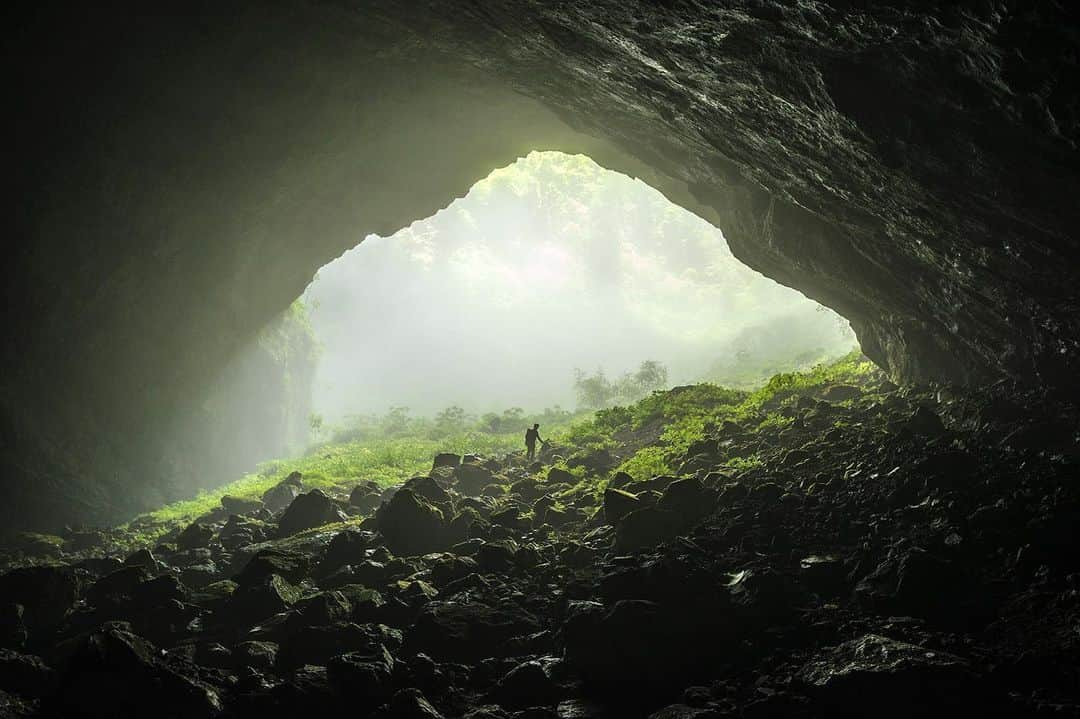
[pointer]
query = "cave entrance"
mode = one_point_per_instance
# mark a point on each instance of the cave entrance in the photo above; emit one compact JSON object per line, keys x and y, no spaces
{"x":548,"y":272}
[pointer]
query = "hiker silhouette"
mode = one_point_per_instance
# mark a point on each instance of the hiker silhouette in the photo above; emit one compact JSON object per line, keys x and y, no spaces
{"x":531,"y":436}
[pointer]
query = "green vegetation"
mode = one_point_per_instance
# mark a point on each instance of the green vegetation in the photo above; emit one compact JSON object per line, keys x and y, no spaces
{"x":387,"y":450}
{"x":653,"y":436}
{"x":684,"y":416}
{"x":596,"y":391}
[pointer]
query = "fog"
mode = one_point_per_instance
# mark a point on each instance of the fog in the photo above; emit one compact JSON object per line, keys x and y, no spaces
{"x":545,"y":266}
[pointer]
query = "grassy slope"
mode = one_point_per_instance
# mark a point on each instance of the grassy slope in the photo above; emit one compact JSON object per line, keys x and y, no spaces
{"x":674,"y":421}
{"x":336,"y":467}
{"x":653,"y":434}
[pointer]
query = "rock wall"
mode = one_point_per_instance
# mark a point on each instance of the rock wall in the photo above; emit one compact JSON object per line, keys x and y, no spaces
{"x":181,"y":172}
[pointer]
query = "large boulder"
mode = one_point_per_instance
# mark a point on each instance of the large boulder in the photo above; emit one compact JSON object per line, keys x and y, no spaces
{"x":365,"y":497}
{"x":619,"y":503}
{"x":25,"y":675}
{"x":452,"y":631}
{"x":319,"y":644}
{"x":642,"y":643}
{"x":526,"y":685}
{"x":841,"y":393}
{"x":347,"y":547}
{"x":115,"y":673}
{"x":310,"y":510}
{"x":446,"y":459}
{"x":411,"y":525}
{"x":412,"y":704}
{"x":195,"y":536}
{"x":364,"y":677}
{"x":292,"y":565}
{"x":240,"y":505}
{"x":472,"y":478}
{"x":117,"y":586}
{"x":558,"y":475}
{"x":647,"y":527}
{"x":255,"y":654}
{"x":915,"y":583}
{"x":430,"y":490}
{"x":283,"y":493}
{"x":689,"y":498}
{"x":46,"y":593}
{"x":881,"y":677}
{"x":256,"y":600}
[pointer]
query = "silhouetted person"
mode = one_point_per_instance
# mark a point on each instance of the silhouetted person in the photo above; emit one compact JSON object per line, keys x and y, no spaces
{"x":531,"y":436}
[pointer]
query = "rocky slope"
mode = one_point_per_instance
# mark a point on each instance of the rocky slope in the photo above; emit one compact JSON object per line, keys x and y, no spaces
{"x":888,"y":553}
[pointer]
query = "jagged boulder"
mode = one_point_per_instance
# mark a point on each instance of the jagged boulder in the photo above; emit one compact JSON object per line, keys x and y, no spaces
{"x":291,"y":565}
{"x":319,"y":644}
{"x":526,"y":685}
{"x":877,"y":676}
{"x":364,"y":677}
{"x":412,"y":704}
{"x":446,"y":459}
{"x":261,"y":598}
{"x":25,"y":674}
{"x":240,"y":506}
{"x":689,"y":498}
{"x":255,"y":654}
{"x":46,"y":593}
{"x":647,"y":527}
{"x":497,"y":555}
{"x":618,"y":504}
{"x":116,"y":586}
{"x":115,"y":672}
{"x":472,"y":478}
{"x":427,"y":488}
{"x":240,"y":531}
{"x":453,"y":631}
{"x":924,"y":422}
{"x":841,"y":393}
{"x":365,"y":497}
{"x":411,"y":525}
{"x":310,"y":510}
{"x":639,"y":642}
{"x":915,"y":583}
{"x":194,"y":536}
{"x":284,"y":492}
{"x":347,"y":547}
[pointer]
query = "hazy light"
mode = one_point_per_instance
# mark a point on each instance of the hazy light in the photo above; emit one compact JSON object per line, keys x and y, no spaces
{"x":549,"y":264}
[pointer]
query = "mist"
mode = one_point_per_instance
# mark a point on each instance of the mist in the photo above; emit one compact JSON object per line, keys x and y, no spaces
{"x":546,"y":266}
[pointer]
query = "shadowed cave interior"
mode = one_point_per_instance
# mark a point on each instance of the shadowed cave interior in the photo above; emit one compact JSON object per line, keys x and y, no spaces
{"x":888,"y":534}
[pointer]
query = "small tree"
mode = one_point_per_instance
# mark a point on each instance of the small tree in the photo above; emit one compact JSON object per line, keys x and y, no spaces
{"x":450,"y":421}
{"x":651,"y":376}
{"x":315,"y":424}
{"x":396,"y":422}
{"x":594,"y":391}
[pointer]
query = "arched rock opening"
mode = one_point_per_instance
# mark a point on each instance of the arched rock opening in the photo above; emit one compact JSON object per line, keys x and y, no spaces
{"x":182,"y":173}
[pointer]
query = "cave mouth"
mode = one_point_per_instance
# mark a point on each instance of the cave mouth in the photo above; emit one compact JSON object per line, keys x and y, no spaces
{"x":545,"y":269}
{"x":855,"y":545}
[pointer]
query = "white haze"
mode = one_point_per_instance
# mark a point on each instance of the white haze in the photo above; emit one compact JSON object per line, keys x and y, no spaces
{"x":545,"y":266}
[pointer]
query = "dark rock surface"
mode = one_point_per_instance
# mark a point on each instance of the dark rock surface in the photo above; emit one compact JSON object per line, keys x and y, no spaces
{"x":886,"y":573}
{"x":912,"y":164}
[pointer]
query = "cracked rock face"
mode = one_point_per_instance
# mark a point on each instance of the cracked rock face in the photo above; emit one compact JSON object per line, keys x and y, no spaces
{"x":180,"y":178}
{"x":912,"y":165}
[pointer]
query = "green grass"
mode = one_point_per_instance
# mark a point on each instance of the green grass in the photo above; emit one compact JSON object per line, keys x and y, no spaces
{"x":681,"y":417}
{"x":336,"y":468}
{"x":688,"y":413}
